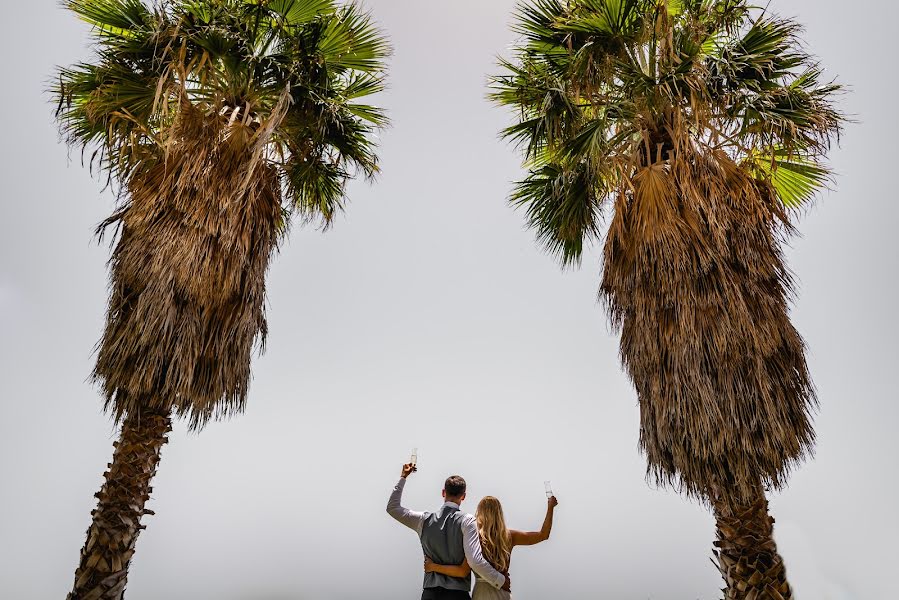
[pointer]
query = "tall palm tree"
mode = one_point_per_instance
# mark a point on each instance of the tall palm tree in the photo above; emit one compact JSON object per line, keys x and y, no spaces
{"x":218,"y":120}
{"x":701,"y":125}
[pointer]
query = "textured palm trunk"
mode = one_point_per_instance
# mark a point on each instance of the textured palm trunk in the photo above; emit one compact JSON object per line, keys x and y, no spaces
{"x":747,"y":555}
{"x":111,"y":538}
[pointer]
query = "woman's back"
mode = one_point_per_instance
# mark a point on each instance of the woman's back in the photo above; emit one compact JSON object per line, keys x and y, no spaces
{"x":497,"y":542}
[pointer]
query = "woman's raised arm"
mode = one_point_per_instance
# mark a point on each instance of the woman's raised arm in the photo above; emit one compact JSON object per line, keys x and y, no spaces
{"x":529,"y":538}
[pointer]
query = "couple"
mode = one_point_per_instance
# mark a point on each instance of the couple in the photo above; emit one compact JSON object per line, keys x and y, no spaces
{"x":455,"y":543}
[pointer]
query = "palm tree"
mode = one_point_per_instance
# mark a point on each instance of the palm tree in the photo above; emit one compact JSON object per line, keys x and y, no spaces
{"x":218,"y":120}
{"x":702,"y":125}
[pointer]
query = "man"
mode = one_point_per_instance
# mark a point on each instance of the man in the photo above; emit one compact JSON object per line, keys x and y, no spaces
{"x":448,"y":537}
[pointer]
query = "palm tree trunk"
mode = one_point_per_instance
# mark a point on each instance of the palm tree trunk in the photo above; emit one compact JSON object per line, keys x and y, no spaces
{"x":103,"y":571}
{"x":746,"y":552}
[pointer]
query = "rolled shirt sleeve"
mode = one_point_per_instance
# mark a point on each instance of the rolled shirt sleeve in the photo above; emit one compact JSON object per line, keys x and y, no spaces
{"x":472,"y":542}
{"x":410,"y":518}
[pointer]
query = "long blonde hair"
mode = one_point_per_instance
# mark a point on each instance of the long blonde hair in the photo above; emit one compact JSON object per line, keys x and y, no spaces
{"x":496,"y":543}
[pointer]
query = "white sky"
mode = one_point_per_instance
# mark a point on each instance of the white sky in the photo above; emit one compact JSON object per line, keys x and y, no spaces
{"x":428,"y":317}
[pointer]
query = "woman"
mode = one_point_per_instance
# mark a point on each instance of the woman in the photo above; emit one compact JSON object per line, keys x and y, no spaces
{"x":496,"y":543}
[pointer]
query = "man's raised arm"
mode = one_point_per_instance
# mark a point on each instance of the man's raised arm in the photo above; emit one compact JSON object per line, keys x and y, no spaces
{"x":472,"y":542}
{"x":410,"y":518}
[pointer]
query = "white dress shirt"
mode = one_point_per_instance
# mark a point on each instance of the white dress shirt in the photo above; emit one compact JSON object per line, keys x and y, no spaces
{"x":471,"y":540}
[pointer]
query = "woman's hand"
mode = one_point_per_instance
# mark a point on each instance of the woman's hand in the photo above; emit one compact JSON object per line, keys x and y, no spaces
{"x":461,"y":570}
{"x":552,"y":502}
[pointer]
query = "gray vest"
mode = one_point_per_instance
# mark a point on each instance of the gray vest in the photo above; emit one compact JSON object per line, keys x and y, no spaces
{"x":441,"y":540}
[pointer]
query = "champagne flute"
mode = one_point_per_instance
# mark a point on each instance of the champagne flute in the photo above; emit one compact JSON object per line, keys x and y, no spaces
{"x":549,"y":489}
{"x":414,"y":460}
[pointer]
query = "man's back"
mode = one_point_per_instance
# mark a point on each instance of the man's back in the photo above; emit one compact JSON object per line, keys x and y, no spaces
{"x":442,"y":542}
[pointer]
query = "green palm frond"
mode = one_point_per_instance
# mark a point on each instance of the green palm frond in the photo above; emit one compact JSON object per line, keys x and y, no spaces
{"x":109,"y":110}
{"x":795,"y":178}
{"x":796,"y":112}
{"x":712,"y":15}
{"x":597,"y":142}
{"x":361,"y":85}
{"x":546,"y":107}
{"x":292,"y":13}
{"x":536,"y":22}
{"x":562,"y":208}
{"x":604,"y":19}
{"x":760,"y":58}
{"x":120,"y":18}
{"x":317,"y":187}
{"x":351,"y":41}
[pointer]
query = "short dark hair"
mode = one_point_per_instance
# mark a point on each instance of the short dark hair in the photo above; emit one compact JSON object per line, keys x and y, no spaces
{"x":454,"y":486}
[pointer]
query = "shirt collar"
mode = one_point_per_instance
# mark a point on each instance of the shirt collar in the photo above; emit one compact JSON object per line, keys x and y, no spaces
{"x":451,"y":504}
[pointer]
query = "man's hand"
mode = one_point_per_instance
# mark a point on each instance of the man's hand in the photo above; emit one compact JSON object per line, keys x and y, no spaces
{"x":408,"y":469}
{"x":507,"y":584}
{"x":552,"y":502}
{"x":429,"y":565}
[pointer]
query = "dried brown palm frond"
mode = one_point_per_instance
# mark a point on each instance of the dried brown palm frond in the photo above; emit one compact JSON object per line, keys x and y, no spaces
{"x":188,"y":273}
{"x":695,"y":279}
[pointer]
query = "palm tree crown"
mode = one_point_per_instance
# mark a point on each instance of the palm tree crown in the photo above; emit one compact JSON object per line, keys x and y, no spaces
{"x":287,"y":75}
{"x":219,"y":119}
{"x":700,"y":123}
{"x":605,"y":86}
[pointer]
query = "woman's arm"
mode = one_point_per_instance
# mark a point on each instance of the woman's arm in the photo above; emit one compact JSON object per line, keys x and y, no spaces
{"x":461,"y":570}
{"x":529,"y":538}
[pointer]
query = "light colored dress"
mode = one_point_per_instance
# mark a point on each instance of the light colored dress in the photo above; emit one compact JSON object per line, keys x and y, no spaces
{"x":485,"y":591}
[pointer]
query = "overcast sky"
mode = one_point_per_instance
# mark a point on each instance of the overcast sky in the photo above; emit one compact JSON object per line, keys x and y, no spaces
{"x":428,"y":317}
